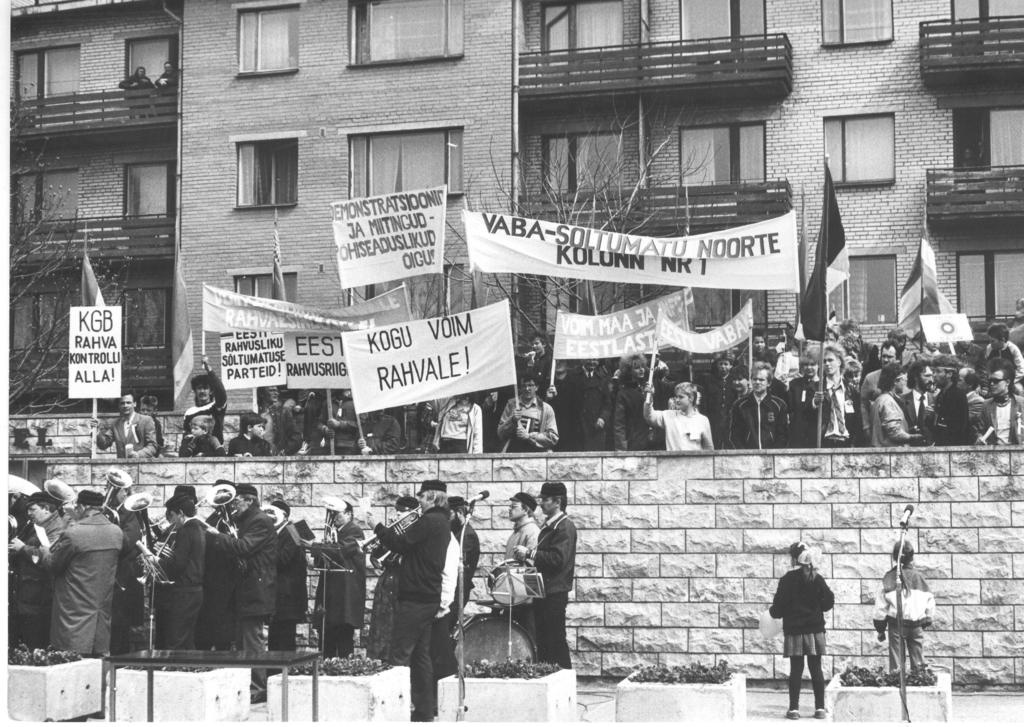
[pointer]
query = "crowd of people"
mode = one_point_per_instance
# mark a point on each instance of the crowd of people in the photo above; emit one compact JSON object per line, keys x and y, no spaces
{"x":85,"y":568}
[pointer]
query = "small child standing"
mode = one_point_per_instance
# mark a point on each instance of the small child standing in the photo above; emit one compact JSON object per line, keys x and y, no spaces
{"x":801,"y":599}
{"x":918,"y":609}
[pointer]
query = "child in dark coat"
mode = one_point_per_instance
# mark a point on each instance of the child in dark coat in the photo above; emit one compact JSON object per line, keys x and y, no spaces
{"x":800,"y":601}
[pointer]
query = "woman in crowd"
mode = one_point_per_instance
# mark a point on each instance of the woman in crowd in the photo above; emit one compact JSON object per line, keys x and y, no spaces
{"x":686,"y":429}
{"x":459,"y":427}
{"x":889,"y":425}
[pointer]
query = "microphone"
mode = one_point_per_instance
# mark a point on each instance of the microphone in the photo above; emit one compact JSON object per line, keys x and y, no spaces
{"x":482,"y":495}
{"x":905,"y":520}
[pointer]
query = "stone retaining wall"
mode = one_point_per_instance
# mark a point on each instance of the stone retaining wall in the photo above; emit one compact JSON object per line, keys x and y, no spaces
{"x":679,"y":554}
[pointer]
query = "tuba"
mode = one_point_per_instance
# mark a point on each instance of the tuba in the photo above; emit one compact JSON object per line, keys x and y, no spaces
{"x":117,"y":479}
{"x":219,"y":498}
{"x":381,"y":556}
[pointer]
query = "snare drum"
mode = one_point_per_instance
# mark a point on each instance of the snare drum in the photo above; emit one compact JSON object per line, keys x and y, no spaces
{"x":487,"y":637}
{"x":507,"y":585}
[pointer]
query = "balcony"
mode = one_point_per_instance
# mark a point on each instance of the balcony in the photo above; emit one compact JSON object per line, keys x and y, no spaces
{"x":963,"y":52}
{"x":665,"y":211}
{"x":98,"y":112}
{"x":109,"y":237}
{"x":745,"y":68}
{"x":142,"y":369}
{"x":994,"y":195}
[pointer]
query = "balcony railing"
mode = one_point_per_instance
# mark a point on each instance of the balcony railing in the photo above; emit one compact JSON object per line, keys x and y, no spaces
{"x":669,"y":210}
{"x":749,"y":66}
{"x":97,"y":111}
{"x":976,"y":195}
{"x":970,"y":51}
{"x":137,"y":237}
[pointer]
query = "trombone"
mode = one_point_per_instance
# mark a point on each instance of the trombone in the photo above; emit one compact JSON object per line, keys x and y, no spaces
{"x":219,"y":498}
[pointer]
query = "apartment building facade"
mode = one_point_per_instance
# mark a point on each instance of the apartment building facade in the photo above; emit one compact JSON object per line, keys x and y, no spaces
{"x":654,"y":116}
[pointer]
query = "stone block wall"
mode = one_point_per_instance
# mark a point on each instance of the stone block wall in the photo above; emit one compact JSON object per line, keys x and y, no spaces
{"x":679,"y":554}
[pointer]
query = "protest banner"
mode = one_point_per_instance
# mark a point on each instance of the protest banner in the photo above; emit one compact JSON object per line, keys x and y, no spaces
{"x":760,"y":256}
{"x":94,"y":352}
{"x":729,"y":334}
{"x":431,"y":358}
{"x":946,"y":328}
{"x":390,"y":237}
{"x":252,"y":358}
{"x":615,"y":334}
{"x":315,"y":361}
{"x":225,"y":311}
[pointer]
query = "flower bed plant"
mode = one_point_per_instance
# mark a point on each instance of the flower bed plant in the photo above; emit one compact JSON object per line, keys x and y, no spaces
{"x":859,"y":676}
{"x":510,"y":691}
{"x":21,"y":655}
{"x":517,"y":669}
{"x":685,"y":693}
{"x":45,"y":685}
{"x":696,"y":673}
{"x":354,"y":666}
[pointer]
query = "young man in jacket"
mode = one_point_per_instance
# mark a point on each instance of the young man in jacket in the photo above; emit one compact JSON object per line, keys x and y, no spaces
{"x":918,"y":609}
{"x":132,"y":434}
{"x":840,"y":416}
{"x":1002,"y":416}
{"x":759,"y":420}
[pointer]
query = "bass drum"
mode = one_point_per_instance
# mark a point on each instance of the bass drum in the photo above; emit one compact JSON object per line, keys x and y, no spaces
{"x":487,"y":637}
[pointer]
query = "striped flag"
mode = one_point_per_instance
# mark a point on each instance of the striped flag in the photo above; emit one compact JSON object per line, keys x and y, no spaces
{"x":920,"y":295}
{"x":831,"y":266}
{"x":91,"y":293}
{"x":182,"y":353}
{"x":277,"y":284}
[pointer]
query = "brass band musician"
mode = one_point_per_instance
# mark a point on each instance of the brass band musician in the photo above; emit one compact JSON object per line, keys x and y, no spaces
{"x":291,"y":580}
{"x":32,"y":598}
{"x":183,"y":559}
{"x":382,"y":614}
{"x":341,"y":592}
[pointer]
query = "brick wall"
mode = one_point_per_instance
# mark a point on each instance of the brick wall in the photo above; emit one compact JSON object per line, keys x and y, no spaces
{"x":678,"y":555}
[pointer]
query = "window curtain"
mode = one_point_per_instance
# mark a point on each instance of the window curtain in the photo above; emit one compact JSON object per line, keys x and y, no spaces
{"x":385,"y":175}
{"x":705,"y":155}
{"x":556,"y":161}
{"x":1007,"y":137}
{"x":60,"y":195}
{"x":597,"y":161}
{"x":866,"y":20}
{"x":556,"y":27}
{"x":752,"y":153}
{"x":598,"y":24}
{"x":972,"y":285}
{"x":1009,"y":271}
{"x":277,"y":31}
{"x":407,"y":29}
{"x":246,"y":175}
{"x":61,"y":71}
{"x":146,"y":317}
{"x":704,"y":19}
{"x":869,"y":149}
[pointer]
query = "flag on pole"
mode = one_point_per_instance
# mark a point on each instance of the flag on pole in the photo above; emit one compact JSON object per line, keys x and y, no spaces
{"x":277,"y":284}
{"x":920,"y":295}
{"x":91,"y":293}
{"x":182,"y":354}
{"x":831,"y":264}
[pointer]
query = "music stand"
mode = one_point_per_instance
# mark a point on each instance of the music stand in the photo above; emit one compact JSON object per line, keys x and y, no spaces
{"x":527,"y":585}
{"x":329,"y":553}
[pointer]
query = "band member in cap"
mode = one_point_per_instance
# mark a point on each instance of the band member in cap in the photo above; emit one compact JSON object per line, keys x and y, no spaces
{"x":211,"y":399}
{"x":83,"y":563}
{"x":183,"y":559}
{"x":525,"y":530}
{"x":256,"y":592}
{"x":555,"y":557}
{"x":382,"y":613}
{"x":32,"y":599}
{"x":341,"y":593}
{"x":129,"y":606}
{"x":423,"y":547}
{"x":470,"y":543}
{"x":291,"y":581}
{"x":215,"y":629}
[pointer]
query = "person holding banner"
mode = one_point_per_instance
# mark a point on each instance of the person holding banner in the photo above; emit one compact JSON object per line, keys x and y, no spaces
{"x":210,"y":399}
{"x":459,"y":427}
{"x":344,"y":425}
{"x":840,"y":417}
{"x":383,"y":434}
{"x":718,"y":399}
{"x":632,"y":433}
{"x":132,"y":434}
{"x":759,"y":420}
{"x":539,"y":361}
{"x":686,"y":429}
{"x":528,"y":424}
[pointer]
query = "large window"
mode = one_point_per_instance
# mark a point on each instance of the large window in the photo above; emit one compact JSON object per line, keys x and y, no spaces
{"x":151,"y":54}
{"x":873,"y":289}
{"x":990,"y":283}
{"x":581,"y":161}
{"x":261,"y":285}
{"x":145,"y":317}
{"x":856,"y":21}
{"x":395,"y":30}
{"x":40,"y":320}
{"x":988,"y":137}
{"x":719,"y":154}
{"x":582,"y":25}
{"x":721,"y":18}
{"x":387,"y":163}
{"x":713,"y":307}
{"x":51,"y":195}
{"x":148,"y":190}
{"x":50,"y":72}
{"x":861,"y":148}
{"x":268,"y":40}
{"x":268,"y":173}
{"x":966,"y":9}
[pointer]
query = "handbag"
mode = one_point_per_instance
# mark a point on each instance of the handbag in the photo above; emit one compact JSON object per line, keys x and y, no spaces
{"x":768,"y":626}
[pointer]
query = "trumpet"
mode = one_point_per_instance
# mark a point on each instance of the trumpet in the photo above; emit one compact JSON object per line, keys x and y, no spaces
{"x":151,"y":564}
{"x":381,"y":556}
{"x":219,"y":498}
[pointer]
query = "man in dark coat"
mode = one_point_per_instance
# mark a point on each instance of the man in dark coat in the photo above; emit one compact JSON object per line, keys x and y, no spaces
{"x":183,"y":560}
{"x":840,"y":416}
{"x":83,"y":563}
{"x":632,"y":432}
{"x":952,"y":412}
{"x":423,"y":547}
{"x":291,"y":581}
{"x":564,"y":397}
{"x":718,"y":399}
{"x":594,"y":407}
{"x":129,"y":606}
{"x":256,"y":592}
{"x":210,"y":399}
{"x":919,"y":402}
{"x":803,"y":417}
{"x":215,"y":628}
{"x":33,"y":593}
{"x":555,"y":558}
{"x":340,"y":598}
{"x":759,"y":420}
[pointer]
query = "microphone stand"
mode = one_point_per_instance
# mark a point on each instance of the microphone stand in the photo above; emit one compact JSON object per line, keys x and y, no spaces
{"x":460,"y":648}
{"x":905,"y":713}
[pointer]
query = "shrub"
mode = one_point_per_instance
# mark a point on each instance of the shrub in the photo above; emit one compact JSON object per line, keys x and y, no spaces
{"x":354,"y":666}
{"x":860,"y":676}
{"x":21,"y":655}
{"x":696,"y":673}
{"x":517,"y":669}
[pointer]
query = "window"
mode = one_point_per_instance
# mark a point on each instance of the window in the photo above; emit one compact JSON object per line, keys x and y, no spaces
{"x":990,"y":283}
{"x":145,"y":317}
{"x":268,"y":173}
{"x":873,"y":289}
{"x":388,"y":163}
{"x":582,"y":25}
{"x":721,"y":18}
{"x":861,"y":148}
{"x":148,"y":190}
{"x":581,"y":162}
{"x":51,"y":72}
{"x":988,"y":137}
{"x":261,"y":285}
{"x":151,"y":54}
{"x":52,"y":195}
{"x":722,"y":154}
{"x":268,"y":40}
{"x":856,"y":21}
{"x":966,"y":9}
{"x":395,"y":30}
{"x":713,"y":307}
{"x":40,"y":320}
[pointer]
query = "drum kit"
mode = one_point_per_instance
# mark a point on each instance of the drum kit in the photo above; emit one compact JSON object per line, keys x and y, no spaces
{"x":495,"y":636}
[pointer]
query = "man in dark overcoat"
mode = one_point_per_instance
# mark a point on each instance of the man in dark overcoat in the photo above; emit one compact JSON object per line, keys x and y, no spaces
{"x":341,"y":592}
{"x":33,"y":594}
{"x":291,"y":581}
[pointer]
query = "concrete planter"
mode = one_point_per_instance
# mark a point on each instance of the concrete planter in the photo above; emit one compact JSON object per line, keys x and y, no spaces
{"x":217,"y":695}
{"x":55,"y":693}
{"x":549,"y":699}
{"x":382,"y":697}
{"x":652,"y":702}
{"x":882,"y":704}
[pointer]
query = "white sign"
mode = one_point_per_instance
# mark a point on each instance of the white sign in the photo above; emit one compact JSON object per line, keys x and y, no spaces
{"x":431,"y":358}
{"x":94,"y":352}
{"x":615,"y":334}
{"x":315,"y":361}
{"x":761,"y":256}
{"x":946,"y":328}
{"x":251,"y":358}
{"x":734,"y":331}
{"x":390,"y":237}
